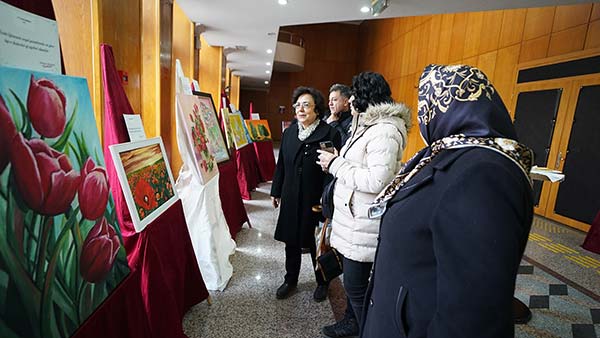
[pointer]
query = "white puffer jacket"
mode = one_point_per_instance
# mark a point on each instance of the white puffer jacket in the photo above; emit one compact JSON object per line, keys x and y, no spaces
{"x":367,"y":163}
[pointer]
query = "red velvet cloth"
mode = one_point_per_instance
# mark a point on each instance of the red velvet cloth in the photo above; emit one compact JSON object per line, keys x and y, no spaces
{"x":247,"y":170}
{"x":121,"y":315}
{"x":170,"y":280}
{"x":266,"y":159}
{"x":592,"y":240}
{"x":231,"y":200}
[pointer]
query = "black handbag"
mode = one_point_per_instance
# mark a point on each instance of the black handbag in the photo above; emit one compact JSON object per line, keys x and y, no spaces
{"x":329,"y":260}
{"x":327,"y":199}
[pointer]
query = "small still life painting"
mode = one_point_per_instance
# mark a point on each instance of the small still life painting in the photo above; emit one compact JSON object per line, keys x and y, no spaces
{"x":197,"y":135}
{"x":259,"y":130}
{"x":146,"y":179}
{"x":61,"y":247}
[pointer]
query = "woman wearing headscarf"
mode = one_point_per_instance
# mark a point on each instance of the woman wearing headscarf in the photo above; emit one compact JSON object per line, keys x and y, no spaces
{"x":366,"y":164}
{"x":298,"y":184}
{"x":456,"y":218}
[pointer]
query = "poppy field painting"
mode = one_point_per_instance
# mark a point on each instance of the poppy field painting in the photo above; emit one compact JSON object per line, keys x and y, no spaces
{"x":146,"y":179}
{"x":61,"y":252}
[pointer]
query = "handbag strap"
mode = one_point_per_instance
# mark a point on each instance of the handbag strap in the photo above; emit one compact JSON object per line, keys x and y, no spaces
{"x":322,"y":246}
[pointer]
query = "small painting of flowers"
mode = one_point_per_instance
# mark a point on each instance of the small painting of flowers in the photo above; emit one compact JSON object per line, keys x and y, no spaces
{"x":146,"y":179}
{"x":198,"y":134}
{"x":61,"y":252}
{"x":208,"y":114}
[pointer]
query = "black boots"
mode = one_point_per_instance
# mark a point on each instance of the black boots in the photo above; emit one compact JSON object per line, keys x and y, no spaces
{"x":347,"y":327}
{"x":284,"y":290}
{"x":320,"y":293}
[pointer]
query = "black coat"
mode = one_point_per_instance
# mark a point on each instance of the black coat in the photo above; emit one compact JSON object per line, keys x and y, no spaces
{"x":450,"y":245}
{"x":299,"y":181}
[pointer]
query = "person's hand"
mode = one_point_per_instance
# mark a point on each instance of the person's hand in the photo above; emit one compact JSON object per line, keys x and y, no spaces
{"x":325,"y":158}
{"x":275,"y":201}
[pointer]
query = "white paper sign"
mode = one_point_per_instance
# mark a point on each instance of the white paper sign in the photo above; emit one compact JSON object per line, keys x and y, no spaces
{"x":135,"y":128}
{"x":28,"y":40}
{"x":255,"y":116}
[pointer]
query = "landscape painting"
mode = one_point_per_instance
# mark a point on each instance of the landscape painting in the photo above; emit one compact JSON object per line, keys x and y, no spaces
{"x":146,"y":179}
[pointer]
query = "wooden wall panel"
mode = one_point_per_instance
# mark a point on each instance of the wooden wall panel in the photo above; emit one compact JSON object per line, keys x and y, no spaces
{"x":571,"y":16}
{"x":538,"y":22}
{"x":513,"y":24}
{"x":234,"y":91}
{"x":121,"y":29}
{"x":79,"y":30}
{"x":566,"y":41}
{"x":593,"y":35}
{"x":150,"y":66}
{"x":495,"y":41}
{"x":165,"y":58}
{"x":211,"y":65}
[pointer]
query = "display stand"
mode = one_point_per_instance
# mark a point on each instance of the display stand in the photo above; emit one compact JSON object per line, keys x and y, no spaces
{"x":231,"y":200}
{"x":247,"y":170}
{"x":170,"y":281}
{"x":266,"y":159}
{"x":592,"y":239}
{"x":121,"y":315}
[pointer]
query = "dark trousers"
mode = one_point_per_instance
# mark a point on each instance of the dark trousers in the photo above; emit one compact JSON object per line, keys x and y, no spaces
{"x":356,"y":281}
{"x":293,"y":256}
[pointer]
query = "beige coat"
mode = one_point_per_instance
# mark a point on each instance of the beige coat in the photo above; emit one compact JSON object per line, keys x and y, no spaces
{"x":367,"y":163}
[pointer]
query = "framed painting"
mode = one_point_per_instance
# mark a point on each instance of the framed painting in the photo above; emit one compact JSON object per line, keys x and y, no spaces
{"x":61,"y":245}
{"x":259,"y":130}
{"x":146,"y":179}
{"x":227,"y":126}
{"x":196,"y":137}
{"x":238,"y":131}
{"x":208,"y":114}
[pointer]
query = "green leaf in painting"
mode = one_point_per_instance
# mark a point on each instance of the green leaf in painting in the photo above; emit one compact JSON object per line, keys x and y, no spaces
{"x":27,"y":131}
{"x":61,"y":143}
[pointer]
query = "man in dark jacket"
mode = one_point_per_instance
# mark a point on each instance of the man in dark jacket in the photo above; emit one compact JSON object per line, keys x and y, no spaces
{"x":339,"y":115}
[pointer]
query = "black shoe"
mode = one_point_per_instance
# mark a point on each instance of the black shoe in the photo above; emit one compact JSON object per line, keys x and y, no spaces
{"x":320,"y":293}
{"x":346,"y":327}
{"x":284,"y":290}
{"x":521,"y":312}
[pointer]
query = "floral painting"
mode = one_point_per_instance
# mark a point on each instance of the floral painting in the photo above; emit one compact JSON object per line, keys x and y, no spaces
{"x":197,"y":136}
{"x":216,"y":141}
{"x":258,"y":129}
{"x":145,"y":178}
{"x":238,"y":132}
{"x":61,"y":252}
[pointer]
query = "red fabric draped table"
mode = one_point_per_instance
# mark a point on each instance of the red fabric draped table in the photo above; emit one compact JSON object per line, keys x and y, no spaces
{"x":164,"y":283}
{"x":592,"y":239}
{"x":231,"y":199}
{"x":266,"y":159}
{"x":247,"y":170}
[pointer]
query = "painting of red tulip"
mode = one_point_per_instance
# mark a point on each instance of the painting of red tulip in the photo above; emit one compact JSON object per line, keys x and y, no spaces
{"x":61,"y":248}
{"x":146,"y":179}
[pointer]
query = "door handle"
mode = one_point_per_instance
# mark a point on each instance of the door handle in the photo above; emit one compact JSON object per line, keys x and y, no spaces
{"x":559,"y":159}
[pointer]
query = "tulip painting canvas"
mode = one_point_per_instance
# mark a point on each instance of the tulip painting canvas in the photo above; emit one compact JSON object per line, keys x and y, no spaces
{"x":146,"y":179}
{"x":61,"y":252}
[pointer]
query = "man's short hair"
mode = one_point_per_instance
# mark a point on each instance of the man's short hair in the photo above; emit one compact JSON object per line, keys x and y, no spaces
{"x":344,"y":90}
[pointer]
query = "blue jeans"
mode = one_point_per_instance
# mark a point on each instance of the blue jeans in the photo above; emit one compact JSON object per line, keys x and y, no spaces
{"x":356,"y":281}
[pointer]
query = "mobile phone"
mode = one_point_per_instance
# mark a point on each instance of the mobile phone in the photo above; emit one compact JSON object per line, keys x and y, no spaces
{"x":327,"y":146}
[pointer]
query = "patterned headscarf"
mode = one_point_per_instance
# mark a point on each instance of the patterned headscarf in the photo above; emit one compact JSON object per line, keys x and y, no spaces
{"x":458,"y":108}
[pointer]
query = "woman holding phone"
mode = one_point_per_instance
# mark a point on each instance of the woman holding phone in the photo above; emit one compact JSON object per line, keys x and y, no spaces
{"x":366,"y":163}
{"x":298,"y":184}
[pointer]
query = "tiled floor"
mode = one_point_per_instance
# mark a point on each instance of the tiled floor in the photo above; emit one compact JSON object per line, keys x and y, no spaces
{"x":558,"y":280}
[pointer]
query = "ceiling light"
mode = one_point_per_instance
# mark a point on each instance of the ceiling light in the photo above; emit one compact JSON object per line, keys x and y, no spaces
{"x":268,"y":71}
{"x":268,"y":63}
{"x":266,"y":82}
{"x":365,"y":9}
{"x":282,"y":2}
{"x":269,"y":51}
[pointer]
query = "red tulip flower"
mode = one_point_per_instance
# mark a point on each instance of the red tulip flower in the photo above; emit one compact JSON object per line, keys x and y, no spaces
{"x":99,"y":251}
{"x":46,"y":105}
{"x":93,"y":191}
{"x":45,"y":177}
{"x":7,"y":133}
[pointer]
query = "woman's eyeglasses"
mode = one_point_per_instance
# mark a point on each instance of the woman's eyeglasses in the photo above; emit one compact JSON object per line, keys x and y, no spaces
{"x":304,"y":105}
